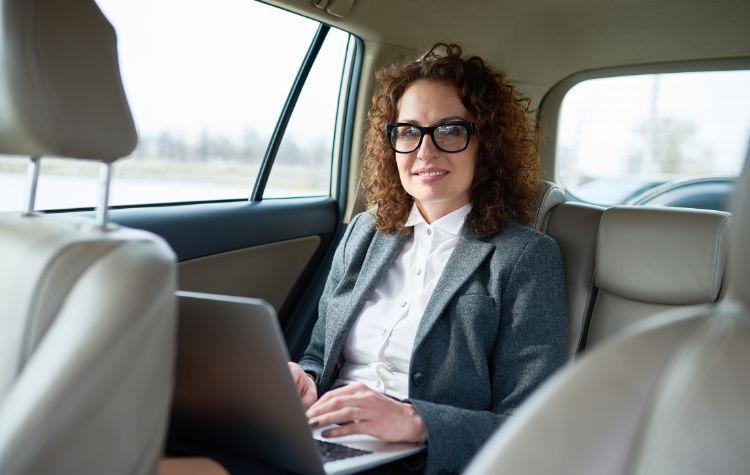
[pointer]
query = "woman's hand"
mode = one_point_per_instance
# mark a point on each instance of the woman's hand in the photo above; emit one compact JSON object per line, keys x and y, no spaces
{"x":305,"y":385}
{"x":360,"y":410}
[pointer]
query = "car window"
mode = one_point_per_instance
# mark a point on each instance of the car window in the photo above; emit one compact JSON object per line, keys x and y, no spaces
{"x":621,"y":138}
{"x":206,"y":83}
{"x":303,"y":162}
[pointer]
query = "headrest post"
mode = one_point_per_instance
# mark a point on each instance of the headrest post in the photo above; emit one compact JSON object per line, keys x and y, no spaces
{"x":32,"y":177}
{"x":102,"y":210}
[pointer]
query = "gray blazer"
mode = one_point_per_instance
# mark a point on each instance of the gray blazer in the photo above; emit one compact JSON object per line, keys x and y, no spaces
{"x":494,"y":329}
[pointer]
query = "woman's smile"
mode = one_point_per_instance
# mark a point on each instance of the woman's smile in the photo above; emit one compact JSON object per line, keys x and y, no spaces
{"x":430,"y":174}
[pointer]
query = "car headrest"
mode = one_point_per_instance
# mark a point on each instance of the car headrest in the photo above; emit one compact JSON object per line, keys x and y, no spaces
{"x":670,"y":256}
{"x":60,"y":88}
{"x":739,"y":264}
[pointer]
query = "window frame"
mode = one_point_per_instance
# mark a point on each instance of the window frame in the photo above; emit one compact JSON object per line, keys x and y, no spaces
{"x":343,"y":122}
{"x":272,"y":149}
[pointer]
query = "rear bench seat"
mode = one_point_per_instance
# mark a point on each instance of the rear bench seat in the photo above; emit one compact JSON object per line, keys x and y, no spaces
{"x":624,"y":264}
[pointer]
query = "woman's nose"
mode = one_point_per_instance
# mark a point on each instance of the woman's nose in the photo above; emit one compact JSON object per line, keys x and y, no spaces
{"x":427,"y":150}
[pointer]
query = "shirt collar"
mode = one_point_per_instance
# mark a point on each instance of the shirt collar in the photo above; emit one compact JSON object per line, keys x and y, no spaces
{"x":450,"y":223}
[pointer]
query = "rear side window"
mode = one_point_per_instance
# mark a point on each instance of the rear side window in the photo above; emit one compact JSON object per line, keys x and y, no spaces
{"x":207,"y":83}
{"x":663,"y":139}
{"x":303,"y":162}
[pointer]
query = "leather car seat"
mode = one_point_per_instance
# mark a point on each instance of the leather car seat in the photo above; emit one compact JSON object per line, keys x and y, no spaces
{"x":87,"y":309}
{"x":671,"y":396}
{"x":574,"y":226}
{"x":653,"y":259}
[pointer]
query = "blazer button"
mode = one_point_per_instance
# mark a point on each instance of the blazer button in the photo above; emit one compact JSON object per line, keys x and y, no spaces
{"x":419,"y":379}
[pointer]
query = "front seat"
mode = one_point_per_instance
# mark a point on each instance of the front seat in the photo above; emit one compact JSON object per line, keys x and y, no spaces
{"x":670,"y":397}
{"x":87,"y":309}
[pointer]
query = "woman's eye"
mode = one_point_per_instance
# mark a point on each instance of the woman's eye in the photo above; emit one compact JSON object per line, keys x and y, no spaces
{"x":407,"y":133}
{"x":454,"y":130}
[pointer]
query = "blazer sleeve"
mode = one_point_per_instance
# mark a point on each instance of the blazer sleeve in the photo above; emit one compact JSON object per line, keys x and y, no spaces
{"x":312,"y":360}
{"x":530,"y":346}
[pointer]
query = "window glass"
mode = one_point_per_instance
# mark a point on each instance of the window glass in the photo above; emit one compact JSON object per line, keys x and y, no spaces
{"x":619,"y":137}
{"x":206,"y":83}
{"x":303,"y":161}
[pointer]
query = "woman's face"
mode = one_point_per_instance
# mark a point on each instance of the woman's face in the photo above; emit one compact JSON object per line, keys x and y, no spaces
{"x":427,"y":103}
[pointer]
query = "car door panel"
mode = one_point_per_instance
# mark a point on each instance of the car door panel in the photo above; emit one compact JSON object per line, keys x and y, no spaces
{"x":271,"y":249}
{"x":266,"y":271}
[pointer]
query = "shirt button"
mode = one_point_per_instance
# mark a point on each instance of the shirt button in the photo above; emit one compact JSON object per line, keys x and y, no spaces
{"x":429,"y":231}
{"x":404,"y":303}
{"x":419,"y":271}
{"x":379,"y":384}
{"x":389,"y":366}
{"x":383,"y":332}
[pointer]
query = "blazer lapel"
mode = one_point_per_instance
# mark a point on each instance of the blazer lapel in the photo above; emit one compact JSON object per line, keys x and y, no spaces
{"x":469,"y":252}
{"x":382,"y":252}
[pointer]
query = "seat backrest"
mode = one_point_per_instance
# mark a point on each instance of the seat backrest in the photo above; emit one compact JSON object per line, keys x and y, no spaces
{"x":672,"y":396}
{"x":87,"y":309}
{"x":548,"y":196}
{"x":574,"y":227}
{"x":654,"y":259}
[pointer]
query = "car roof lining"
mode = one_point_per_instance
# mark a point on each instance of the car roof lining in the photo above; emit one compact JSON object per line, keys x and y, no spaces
{"x":539,"y":42}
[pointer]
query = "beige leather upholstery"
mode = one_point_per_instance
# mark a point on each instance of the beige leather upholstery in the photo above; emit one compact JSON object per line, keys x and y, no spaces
{"x":613,"y":314}
{"x":267,"y":272}
{"x":60,"y":88}
{"x":574,"y":227}
{"x":87,"y":312}
{"x":738,"y":266}
{"x":672,"y":396}
{"x":87,"y":347}
{"x":548,"y":196}
{"x":653,"y":259}
{"x":662,"y":255}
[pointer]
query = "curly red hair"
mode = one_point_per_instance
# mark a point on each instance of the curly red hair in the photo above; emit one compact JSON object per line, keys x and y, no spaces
{"x":507,"y":171}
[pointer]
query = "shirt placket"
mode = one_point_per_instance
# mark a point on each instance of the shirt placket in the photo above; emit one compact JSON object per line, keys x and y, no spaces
{"x":414,"y":284}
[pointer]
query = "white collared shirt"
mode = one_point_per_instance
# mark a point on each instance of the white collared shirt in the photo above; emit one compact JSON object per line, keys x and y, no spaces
{"x":378,"y":348}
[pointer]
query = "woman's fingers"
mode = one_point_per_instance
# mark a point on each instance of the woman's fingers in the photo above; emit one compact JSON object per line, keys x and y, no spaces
{"x":345,"y":415}
{"x":332,"y":404}
{"x":297,"y":373}
{"x":342,"y":391}
{"x":365,"y":411}
{"x":309,"y":398}
{"x":305,"y":385}
{"x":353,"y":428}
{"x":370,"y":412}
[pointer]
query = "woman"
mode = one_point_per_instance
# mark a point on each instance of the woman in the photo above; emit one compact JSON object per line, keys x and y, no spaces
{"x":441,"y":312}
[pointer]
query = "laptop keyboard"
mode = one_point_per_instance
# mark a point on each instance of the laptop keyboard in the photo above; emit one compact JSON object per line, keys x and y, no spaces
{"x":331,"y":452}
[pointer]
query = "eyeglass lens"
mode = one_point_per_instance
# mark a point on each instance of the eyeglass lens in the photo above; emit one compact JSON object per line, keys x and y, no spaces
{"x":448,"y":137}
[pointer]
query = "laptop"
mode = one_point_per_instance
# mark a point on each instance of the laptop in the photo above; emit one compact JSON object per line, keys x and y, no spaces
{"x":234,"y":392}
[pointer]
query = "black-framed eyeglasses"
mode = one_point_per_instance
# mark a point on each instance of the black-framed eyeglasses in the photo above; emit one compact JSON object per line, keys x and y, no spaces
{"x":452,"y":136}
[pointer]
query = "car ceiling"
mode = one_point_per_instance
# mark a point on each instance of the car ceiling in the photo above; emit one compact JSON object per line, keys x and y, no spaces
{"x":540,"y":42}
